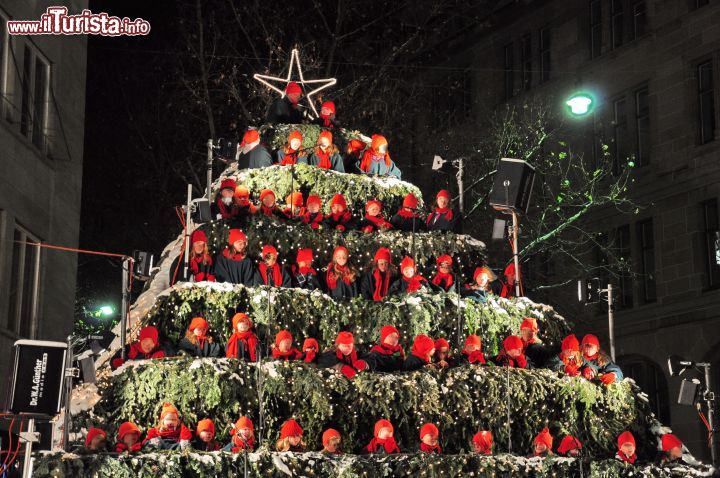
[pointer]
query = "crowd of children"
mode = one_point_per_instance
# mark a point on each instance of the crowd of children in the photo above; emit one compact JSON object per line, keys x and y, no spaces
{"x":171,"y":434}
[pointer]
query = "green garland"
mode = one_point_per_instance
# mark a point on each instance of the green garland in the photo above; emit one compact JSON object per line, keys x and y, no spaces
{"x":288,"y":237}
{"x":266,"y":464}
{"x":460,"y":401}
{"x":314,"y":314}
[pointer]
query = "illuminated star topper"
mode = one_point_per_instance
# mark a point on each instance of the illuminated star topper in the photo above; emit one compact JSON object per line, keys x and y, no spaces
{"x":295,"y":60}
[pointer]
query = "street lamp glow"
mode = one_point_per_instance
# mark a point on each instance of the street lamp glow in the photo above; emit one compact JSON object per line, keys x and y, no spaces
{"x":106,"y":310}
{"x":579,"y":104}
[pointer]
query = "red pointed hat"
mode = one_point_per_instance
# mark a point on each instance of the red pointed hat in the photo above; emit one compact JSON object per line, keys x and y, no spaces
{"x":198,"y":323}
{"x":513,"y":342}
{"x":290,"y":428}
{"x":407,"y":262}
{"x":228,"y":183}
{"x":473,"y":340}
{"x":338,"y":199}
{"x":383,"y":423}
{"x":344,"y":338}
{"x":236,"y":235}
{"x":329,"y":105}
{"x":205,"y":425}
{"x":387,"y":330}
{"x":242,"y":422}
{"x":422,"y":345}
{"x":544,"y":437}
{"x":266,"y":192}
{"x":127,"y":427}
{"x":250,"y":136}
{"x":149,"y":332}
{"x":282,"y":335}
{"x":313,"y":199}
{"x":443,"y":258}
{"x":670,"y":441}
{"x":198,"y":236}
{"x":483,"y":439}
{"x":591,"y":339}
{"x":625,"y":437}
{"x":443,"y":193}
{"x":384,"y":254}
{"x":441,"y":343}
{"x":305,"y":255}
{"x":239,"y":317}
{"x":292,"y":87}
{"x":310,"y":343}
{"x":328,"y":435}
{"x":571,"y":343}
{"x":429,"y":429}
{"x":373,"y":202}
{"x":529,"y":323}
{"x":410,"y":201}
{"x":92,"y":433}
{"x":268,"y":249}
{"x":569,"y":443}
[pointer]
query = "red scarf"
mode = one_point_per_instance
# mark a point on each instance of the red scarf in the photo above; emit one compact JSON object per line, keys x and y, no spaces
{"x":289,"y":158}
{"x":331,"y":278}
{"x":508,"y":291}
{"x":268,"y":211}
{"x":388,"y":444}
{"x":121,"y":447}
{"x":382,"y":284}
{"x":241,"y":445}
{"x":180,"y":433}
{"x":303,"y":270}
{"x":407,"y":213}
{"x":627,"y":459}
{"x":313,"y":221}
{"x":234,"y":256}
{"x":378,"y":222}
{"x":249,"y":340}
{"x":326,"y":121}
{"x":195,"y":263}
{"x":370,"y":157}
{"x":292,"y":354}
{"x":430,"y":448}
{"x":424,"y":358}
{"x":136,"y":352}
{"x":276,"y":272}
{"x":443,"y":280}
{"x":519,"y":362}
{"x":475,"y":357}
{"x":324,"y":156}
{"x":414,"y":283}
{"x":224,"y":211}
{"x":341,"y":218}
{"x":444,"y":211}
{"x":530,"y":342}
{"x":385,"y":349}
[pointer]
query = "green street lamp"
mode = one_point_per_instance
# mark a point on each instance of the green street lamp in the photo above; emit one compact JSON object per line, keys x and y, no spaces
{"x":580,"y":104}
{"x":105,"y":311}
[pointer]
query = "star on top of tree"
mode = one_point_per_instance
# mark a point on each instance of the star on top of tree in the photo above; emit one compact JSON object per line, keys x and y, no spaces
{"x":318,"y":85}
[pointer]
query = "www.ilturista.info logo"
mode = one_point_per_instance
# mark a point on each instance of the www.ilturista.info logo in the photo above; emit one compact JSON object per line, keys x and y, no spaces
{"x":56,"y":21}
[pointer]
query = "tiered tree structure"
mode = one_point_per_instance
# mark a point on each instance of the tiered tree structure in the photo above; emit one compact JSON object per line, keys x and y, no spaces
{"x":514,"y":404}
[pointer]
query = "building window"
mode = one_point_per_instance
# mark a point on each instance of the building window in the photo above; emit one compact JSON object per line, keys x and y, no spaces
{"x":712,"y":242}
{"x":624,"y":256}
{"x":544,"y":42}
{"x":706,"y":102}
{"x":642,"y":125}
{"x":647,"y":260}
{"x":23,"y":297}
{"x":34,"y":110}
{"x":651,"y":379}
{"x":620,"y":131}
{"x":639,"y":19}
{"x":509,"y":72}
{"x":526,"y":61}
{"x":595,"y":29}
{"x":616,"y":23}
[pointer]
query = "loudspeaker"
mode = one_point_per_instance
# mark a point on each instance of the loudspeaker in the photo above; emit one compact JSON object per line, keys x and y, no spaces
{"x":589,"y":290}
{"x":142,"y":263}
{"x":512,"y":186}
{"x":500,"y":231}
{"x":201,"y":211}
{"x":227,"y":148}
{"x":689,"y":391}
{"x":37,"y":379}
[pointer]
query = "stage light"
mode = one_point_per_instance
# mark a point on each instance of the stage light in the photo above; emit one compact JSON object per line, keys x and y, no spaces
{"x":580,"y":104}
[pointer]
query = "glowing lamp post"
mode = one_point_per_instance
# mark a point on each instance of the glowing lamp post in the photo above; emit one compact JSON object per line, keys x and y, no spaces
{"x":580,"y":104}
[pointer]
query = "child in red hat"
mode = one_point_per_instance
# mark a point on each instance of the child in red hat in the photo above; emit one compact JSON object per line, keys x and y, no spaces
{"x":533,"y":347}
{"x":409,"y":280}
{"x":268,"y":205}
{"x":542,"y":444}
{"x":383,"y":440}
{"x":512,"y":354}
{"x":169,"y":433}
{"x":570,"y":359}
{"x":283,"y":348}
{"x":326,"y":155}
{"x":271,"y":273}
{"x":310,"y":350}
{"x":341,"y":277}
{"x":304,"y":276}
{"x":373,"y":221}
{"x":626,"y":448}
{"x":199,"y":263}
{"x":570,"y":447}
{"x":327,"y":116}
{"x":285,"y":109}
{"x":376,"y":159}
{"x":251,"y":153}
{"x":243,"y":343}
{"x":242,"y":201}
{"x":421,"y":354}
{"x":388,"y":355}
{"x":408,"y":218}
{"x":443,"y":357}
{"x":598,"y":365}
{"x":345,"y":357}
{"x":443,"y":278}
{"x":340,"y":218}
{"x":472,"y":351}
{"x":197,"y":342}
{"x":243,"y":436}
{"x":233,"y":265}
{"x":205,"y":436}
{"x":95,"y":441}
{"x":128,"y":438}
{"x":295,"y":207}
{"x":146,"y":347}
{"x":292,"y":152}
{"x":375,"y":283}
{"x":331,"y":442}
{"x":480,"y":287}
{"x":443,"y":217}
{"x":482,"y":443}
{"x":430,"y":439}
{"x":224,"y":205}
{"x":672,"y":449}
{"x":353,"y":152}
{"x":290,"y":437}
{"x":508,"y":285}
{"x":313,"y":214}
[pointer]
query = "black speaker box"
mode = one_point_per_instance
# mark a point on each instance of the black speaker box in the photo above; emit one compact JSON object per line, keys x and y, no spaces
{"x":512,"y":186}
{"x":142,"y":263}
{"x":201,"y":211}
{"x":689,"y":390}
{"x":37,"y":379}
